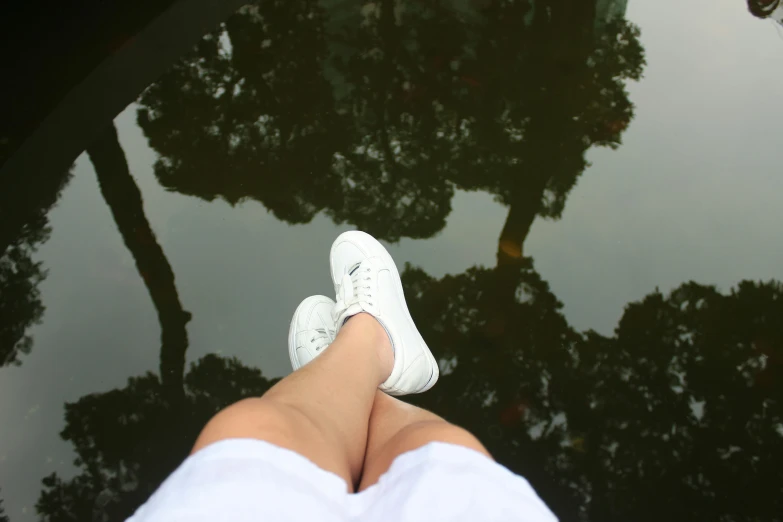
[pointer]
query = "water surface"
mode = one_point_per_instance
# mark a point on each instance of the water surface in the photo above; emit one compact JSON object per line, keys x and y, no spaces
{"x":584,"y":196}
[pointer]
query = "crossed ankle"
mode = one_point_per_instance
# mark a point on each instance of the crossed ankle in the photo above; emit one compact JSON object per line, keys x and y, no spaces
{"x":376,"y":334}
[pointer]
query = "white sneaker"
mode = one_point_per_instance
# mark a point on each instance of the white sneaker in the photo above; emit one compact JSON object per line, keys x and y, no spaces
{"x":312,"y":330}
{"x":366,"y":280}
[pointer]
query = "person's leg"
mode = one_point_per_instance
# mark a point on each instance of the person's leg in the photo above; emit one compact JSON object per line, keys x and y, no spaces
{"x":397,"y":427}
{"x":321,"y":411}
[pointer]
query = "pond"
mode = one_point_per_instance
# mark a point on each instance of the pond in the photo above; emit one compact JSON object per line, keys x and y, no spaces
{"x":584,"y":196}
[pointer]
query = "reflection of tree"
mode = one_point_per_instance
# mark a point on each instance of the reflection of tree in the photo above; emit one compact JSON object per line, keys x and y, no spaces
{"x":506,"y":100}
{"x":124,"y":199}
{"x":545,"y":95}
{"x":399,"y":93}
{"x":693,"y":387}
{"x":128,"y":440}
{"x":20,"y":303}
{"x":3,"y":516}
{"x":503,"y":360}
{"x":684,"y":400}
{"x":23,"y":227}
{"x":422,"y":99}
{"x":247,"y":113}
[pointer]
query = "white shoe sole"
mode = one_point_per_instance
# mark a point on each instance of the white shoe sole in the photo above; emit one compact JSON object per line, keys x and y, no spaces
{"x":376,"y":249}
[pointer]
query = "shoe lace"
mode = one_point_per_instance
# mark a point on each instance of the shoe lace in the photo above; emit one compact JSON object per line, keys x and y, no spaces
{"x":321,"y":338}
{"x":355,"y":287}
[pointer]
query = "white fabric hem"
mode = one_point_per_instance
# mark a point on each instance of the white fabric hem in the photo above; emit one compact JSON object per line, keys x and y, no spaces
{"x":244,"y":480}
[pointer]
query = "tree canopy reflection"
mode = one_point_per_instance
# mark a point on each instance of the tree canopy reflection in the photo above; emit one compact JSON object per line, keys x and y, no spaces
{"x":413,"y":101}
{"x":248,"y":113}
{"x":129,"y":439}
{"x":24,"y":227}
{"x":674,"y":415}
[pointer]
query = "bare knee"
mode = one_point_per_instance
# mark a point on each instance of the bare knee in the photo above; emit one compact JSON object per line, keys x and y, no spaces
{"x":253,"y":418}
{"x":281,"y":424}
{"x":411,"y":437}
{"x":421,"y":433}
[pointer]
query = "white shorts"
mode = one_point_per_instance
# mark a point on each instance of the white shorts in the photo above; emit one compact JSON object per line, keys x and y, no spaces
{"x":243,"y":480}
